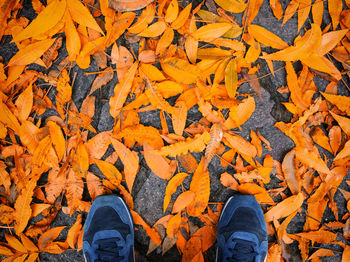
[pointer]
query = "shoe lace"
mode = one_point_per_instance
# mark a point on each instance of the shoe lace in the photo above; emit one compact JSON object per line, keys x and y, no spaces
{"x":108,"y":250}
{"x":243,"y":251}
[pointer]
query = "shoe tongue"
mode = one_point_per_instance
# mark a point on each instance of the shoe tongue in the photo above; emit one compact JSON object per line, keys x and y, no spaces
{"x":108,"y":249}
{"x":243,"y":251}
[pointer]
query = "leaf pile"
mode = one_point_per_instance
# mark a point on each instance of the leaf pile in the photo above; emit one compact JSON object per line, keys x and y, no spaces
{"x":186,"y":57}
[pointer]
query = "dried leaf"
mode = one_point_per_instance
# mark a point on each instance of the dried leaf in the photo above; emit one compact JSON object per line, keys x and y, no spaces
{"x":46,"y":20}
{"x":156,"y":163}
{"x":211,"y":31}
{"x":130,"y":161}
{"x":171,"y":188}
{"x":285,"y":208}
{"x":183,"y":200}
{"x":200,"y":185}
{"x":121,"y":91}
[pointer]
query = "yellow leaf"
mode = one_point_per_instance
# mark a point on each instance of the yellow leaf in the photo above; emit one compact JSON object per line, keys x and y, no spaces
{"x":285,"y":208}
{"x":31,"y":53}
{"x":265,"y":37}
{"x":109,"y":171}
{"x":211,"y":31}
{"x":82,"y":15}
{"x":234,"y":6}
{"x":121,"y":91}
{"x":183,"y":200}
{"x":46,"y":20}
{"x":172,"y":11}
{"x":154,"y":30}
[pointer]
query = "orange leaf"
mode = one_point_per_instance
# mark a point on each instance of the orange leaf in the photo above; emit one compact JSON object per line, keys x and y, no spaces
{"x":28,"y":244}
{"x":22,"y":206}
{"x":97,"y":146}
{"x":289,"y":171}
{"x":48,"y":237}
{"x":173,"y":225}
{"x":285,"y":208}
{"x":343,"y":122}
{"x":154,"y":30}
{"x":234,"y":6}
{"x":73,"y":233}
{"x":130,"y":161}
{"x":182,"y":17}
{"x":241,"y":145}
{"x":129,"y":5}
{"x":82,"y":15}
{"x":172,"y":11}
{"x":15,"y":243}
{"x":335,"y":7}
{"x":31,"y":52}
{"x":46,"y":20}
{"x":94,"y":185}
{"x":183,"y":200}
{"x":211,"y":31}
{"x":109,"y":171}
{"x":179,"y":117}
{"x":196,"y":144}
{"x":171,"y":188}
{"x":73,"y":43}
{"x":156,"y":163}
{"x":311,"y":41}
{"x":121,"y":91}
{"x":265,"y":37}
{"x":320,"y":236}
{"x":180,"y":70}
{"x":200,"y":185}
{"x":24,"y":103}
{"x":165,"y":41}
{"x":312,"y":160}
{"x":151,"y":232}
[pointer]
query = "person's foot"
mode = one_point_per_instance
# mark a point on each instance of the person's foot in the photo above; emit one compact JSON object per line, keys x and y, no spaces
{"x":108,"y":231}
{"x":242,"y":233}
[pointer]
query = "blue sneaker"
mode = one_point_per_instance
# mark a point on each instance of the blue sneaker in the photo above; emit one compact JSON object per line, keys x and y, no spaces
{"x":242,"y":233}
{"x":109,"y":231}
